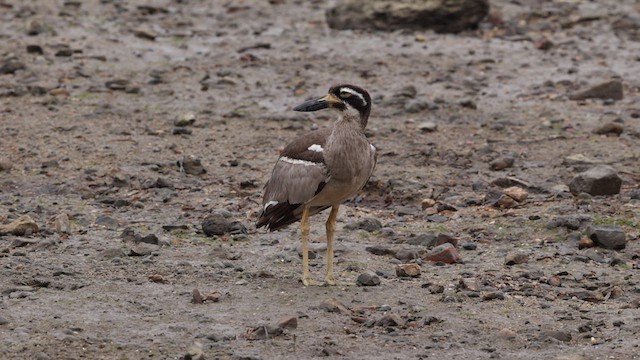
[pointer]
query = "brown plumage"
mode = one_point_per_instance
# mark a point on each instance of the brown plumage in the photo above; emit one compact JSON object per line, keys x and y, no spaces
{"x":321,"y":169}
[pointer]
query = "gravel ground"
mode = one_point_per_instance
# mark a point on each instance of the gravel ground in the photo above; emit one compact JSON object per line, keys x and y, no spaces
{"x":103,"y":103}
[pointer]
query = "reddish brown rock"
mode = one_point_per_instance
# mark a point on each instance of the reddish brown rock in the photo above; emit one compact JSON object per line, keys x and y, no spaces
{"x":445,"y":253}
{"x":408,"y":270}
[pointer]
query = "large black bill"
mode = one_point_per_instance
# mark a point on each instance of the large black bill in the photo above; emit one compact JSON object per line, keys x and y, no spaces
{"x":313,"y":104}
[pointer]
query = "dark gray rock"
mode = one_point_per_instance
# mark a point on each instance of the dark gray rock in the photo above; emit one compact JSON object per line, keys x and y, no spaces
{"x":609,"y":237}
{"x":599,"y":180}
{"x":216,"y":225}
{"x":502,"y":163}
{"x":368,"y":278}
{"x":611,"y":89}
{"x":450,"y":16}
{"x":191,"y":165}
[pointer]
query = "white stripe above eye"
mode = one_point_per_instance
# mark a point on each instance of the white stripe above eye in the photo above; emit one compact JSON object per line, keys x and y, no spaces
{"x":299,"y":162}
{"x":315,"y":147}
{"x":353,"y":92}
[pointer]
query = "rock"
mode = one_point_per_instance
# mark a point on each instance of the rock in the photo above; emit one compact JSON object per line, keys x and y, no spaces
{"x":611,"y":89}
{"x":493,"y":295}
{"x":333,"y":305}
{"x":150,"y":239}
{"x":445,"y":253}
{"x":195,"y":352}
{"x":186,"y":119}
{"x":469,"y":246}
{"x":543,"y":43}
{"x":196,"y":297}
{"x":11,"y":66}
{"x":144,"y":33}
{"x":408,"y":270}
{"x":579,"y":159}
{"x":142,"y":249}
{"x":380,"y":250}
{"x":585,"y":243}
{"x":5,"y":166}
{"x":560,"y":335}
{"x":129,"y":235}
{"x":216,"y":225}
{"x":264,"y":332}
{"x":24,"y":225}
{"x":571,"y":222}
{"x":117,"y":84}
{"x":191,"y":165}
{"x":368,"y":224}
{"x":406,"y":255}
{"x":368,"y":278}
{"x":450,"y":16}
{"x":599,"y":180}
{"x":502,"y":163}
{"x":470,"y":284}
{"x":107,"y":222}
{"x":428,"y":126}
{"x":613,"y":128}
{"x":290,"y":323}
{"x":516,"y":193}
{"x":3,"y":320}
{"x":516,"y":258}
{"x":62,"y":224}
{"x":608,"y":237}
{"x":112,"y":253}
{"x":507,"y":334}
{"x":390,"y":320}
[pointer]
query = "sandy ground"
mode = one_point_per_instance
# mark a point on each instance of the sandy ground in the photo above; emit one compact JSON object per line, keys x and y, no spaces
{"x":87,"y":134}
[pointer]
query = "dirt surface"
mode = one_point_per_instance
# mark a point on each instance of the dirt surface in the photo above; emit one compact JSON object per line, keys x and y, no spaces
{"x":89,"y":148}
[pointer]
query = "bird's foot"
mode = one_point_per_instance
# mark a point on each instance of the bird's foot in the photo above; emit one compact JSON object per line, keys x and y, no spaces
{"x":310,"y":282}
{"x":330,"y":281}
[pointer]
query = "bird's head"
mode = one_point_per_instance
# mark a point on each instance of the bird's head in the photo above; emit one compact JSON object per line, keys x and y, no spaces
{"x":347,"y":99}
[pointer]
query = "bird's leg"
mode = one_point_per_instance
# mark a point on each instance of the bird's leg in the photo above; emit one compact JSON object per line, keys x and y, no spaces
{"x":304,"y":225}
{"x":331,"y":228}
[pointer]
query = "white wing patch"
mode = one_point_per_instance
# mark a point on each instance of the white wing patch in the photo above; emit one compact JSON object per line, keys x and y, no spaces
{"x":355,"y":93}
{"x":272,"y":202}
{"x":299,"y":162}
{"x":315,"y":147}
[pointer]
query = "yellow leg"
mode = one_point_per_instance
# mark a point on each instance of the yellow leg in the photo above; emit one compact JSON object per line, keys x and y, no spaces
{"x":331,"y":228}
{"x":304,"y":225}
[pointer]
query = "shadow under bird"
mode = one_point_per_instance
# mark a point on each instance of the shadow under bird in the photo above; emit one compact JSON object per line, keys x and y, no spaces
{"x":321,"y":170}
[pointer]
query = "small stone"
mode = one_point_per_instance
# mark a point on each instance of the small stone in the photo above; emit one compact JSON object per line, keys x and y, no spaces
{"x":493,"y":295}
{"x":157,"y":278}
{"x":142,"y":249}
{"x":543,"y":43}
{"x":195,"y":352}
{"x":380,"y":250}
{"x":469,"y":246}
{"x":368,"y":278}
{"x":290,"y":323}
{"x":185,"y":120}
{"x":516,"y":193}
{"x":470,"y":284}
{"x":406,"y":255}
{"x":368,"y":224}
{"x":445,"y":253}
{"x":107,"y":222}
{"x":3,"y":320}
{"x":427,"y":203}
{"x":150,"y":239}
{"x":333,"y":305}
{"x":216,"y":225}
{"x":611,"y":89}
{"x":24,"y":225}
{"x":196,"y":297}
{"x":390,"y":320}
{"x":117,"y":84}
{"x":502,"y":163}
{"x":516,"y":258}
{"x":428,"y":126}
{"x":191,"y":165}
{"x":5,"y":166}
{"x":264,"y":332}
{"x":599,"y":180}
{"x":181,"y":131}
{"x":585,"y":243}
{"x":613,"y":128}
{"x":11,"y":66}
{"x":408,"y":270}
{"x":507,"y":334}
{"x":608,"y":237}
{"x":213,"y":296}
{"x":112,"y":253}
{"x":559,"y":335}
{"x":555,"y":281}
{"x":144,"y":33}
{"x":62,"y":224}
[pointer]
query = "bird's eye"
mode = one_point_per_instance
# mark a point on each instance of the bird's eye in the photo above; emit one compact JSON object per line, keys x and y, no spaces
{"x":345,"y":94}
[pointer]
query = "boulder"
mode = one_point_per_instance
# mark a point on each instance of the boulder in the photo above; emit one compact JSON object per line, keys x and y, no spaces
{"x":599,"y":180}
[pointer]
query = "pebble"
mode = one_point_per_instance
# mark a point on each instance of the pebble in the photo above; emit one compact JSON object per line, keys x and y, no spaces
{"x":216,"y":225}
{"x":380,"y":250}
{"x":107,"y":222}
{"x":264,"y":332}
{"x":516,"y":193}
{"x":469,"y":246}
{"x":608,"y":236}
{"x":24,"y":225}
{"x":502,"y":163}
{"x":612,"y":128}
{"x":196,"y":297}
{"x":62,"y":224}
{"x":390,"y":320}
{"x":599,"y":180}
{"x":191,"y":165}
{"x":142,"y":249}
{"x":5,"y":166}
{"x":289,"y":323}
{"x":516,"y":258}
{"x":560,"y":335}
{"x":333,"y":305}
{"x":367,"y":224}
{"x":3,"y":320}
{"x":368,"y":278}
{"x":494,"y":295}
{"x":150,"y":239}
{"x":507,"y":334}
{"x":428,"y":126}
{"x":585,"y":243}
{"x":408,"y":270}
{"x":186,"y":119}
{"x":195,"y":352}
{"x":611,"y":89}
{"x":406,"y":255}
{"x":11,"y":66}
{"x":445,"y":253}
{"x":112,"y":253}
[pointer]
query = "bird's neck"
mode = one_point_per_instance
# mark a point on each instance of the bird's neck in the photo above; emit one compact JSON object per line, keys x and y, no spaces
{"x":351,"y":121}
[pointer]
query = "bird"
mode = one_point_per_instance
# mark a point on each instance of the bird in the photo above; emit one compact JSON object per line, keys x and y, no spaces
{"x":320,"y":170}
